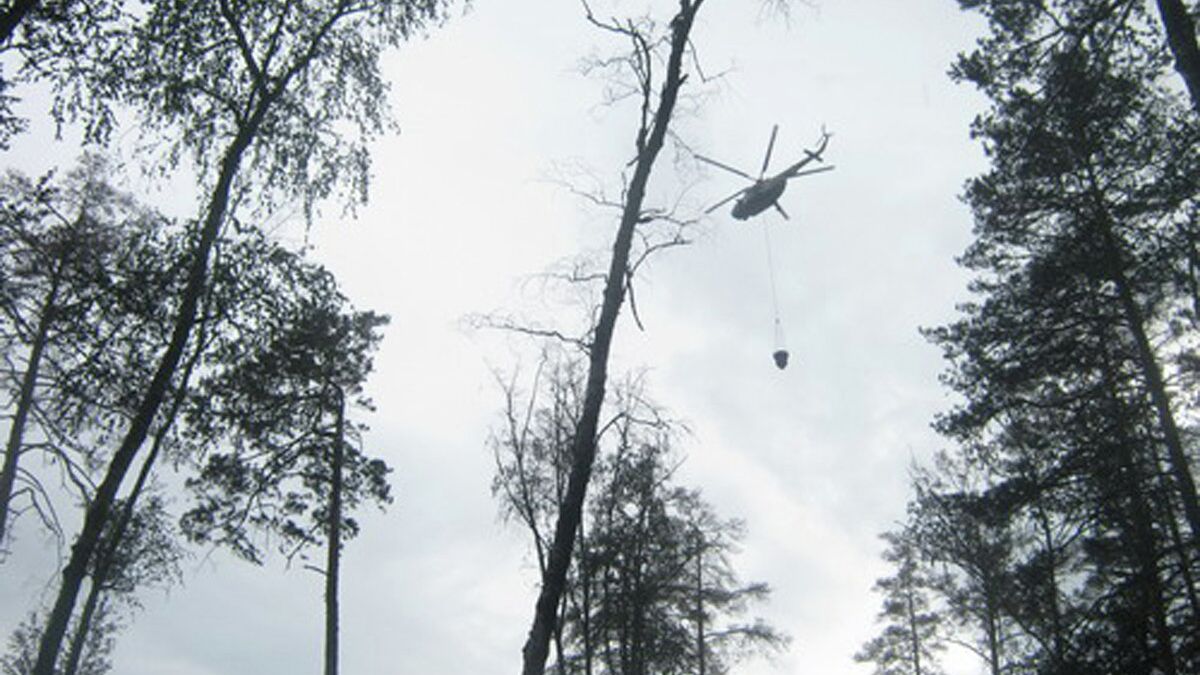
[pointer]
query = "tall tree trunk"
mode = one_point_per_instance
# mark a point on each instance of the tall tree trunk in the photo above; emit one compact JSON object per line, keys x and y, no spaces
{"x":16,"y":429}
{"x":991,"y":627}
{"x":700,"y":661}
{"x":1149,"y":591}
{"x":98,"y":511}
{"x":1181,"y":38}
{"x":585,"y":580}
{"x":1058,"y":638}
{"x":333,"y":556}
{"x":1147,"y":362}
{"x":1182,"y":549}
{"x":913,"y":635}
{"x":1184,"y":556}
{"x":83,"y":626}
{"x":583,"y":450}
{"x":1140,"y":529}
{"x":103,"y":567}
{"x":12,"y":17}
{"x":558,"y":636}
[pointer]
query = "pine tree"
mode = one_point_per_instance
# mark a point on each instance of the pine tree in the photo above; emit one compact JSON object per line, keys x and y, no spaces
{"x":909,"y":640}
{"x":1067,"y":514}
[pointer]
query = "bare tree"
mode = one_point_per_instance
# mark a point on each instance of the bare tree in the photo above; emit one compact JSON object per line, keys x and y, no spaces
{"x":655,"y":111}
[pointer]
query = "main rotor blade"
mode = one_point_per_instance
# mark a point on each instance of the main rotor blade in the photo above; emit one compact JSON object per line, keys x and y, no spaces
{"x":728,"y":168}
{"x":725,"y":201}
{"x":781,"y":211}
{"x":770,"y":147}
{"x":819,"y":169}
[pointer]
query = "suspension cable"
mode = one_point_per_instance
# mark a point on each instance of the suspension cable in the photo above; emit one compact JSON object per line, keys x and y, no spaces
{"x":774,"y":292}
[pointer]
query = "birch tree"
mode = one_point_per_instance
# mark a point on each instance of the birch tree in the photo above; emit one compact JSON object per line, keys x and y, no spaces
{"x":275,"y":100}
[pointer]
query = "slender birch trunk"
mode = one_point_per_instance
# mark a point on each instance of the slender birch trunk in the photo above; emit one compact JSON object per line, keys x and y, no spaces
{"x":99,"y":510}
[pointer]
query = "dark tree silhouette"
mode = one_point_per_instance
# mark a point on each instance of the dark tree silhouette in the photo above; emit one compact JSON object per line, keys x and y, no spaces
{"x":656,"y":110}
{"x":293,"y":470}
{"x":97,"y":650}
{"x":533,"y":456}
{"x":259,"y":86}
{"x":250,"y":277}
{"x":65,"y":44}
{"x":1060,"y":533}
{"x":664,"y":596}
{"x":141,"y":549}
{"x":1020,"y":31}
{"x":79,"y":317}
{"x":653,"y":587}
{"x":1180,"y":27}
{"x":910,"y":637}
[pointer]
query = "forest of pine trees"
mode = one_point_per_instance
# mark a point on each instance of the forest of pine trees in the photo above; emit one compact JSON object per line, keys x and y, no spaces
{"x":1058,"y":531}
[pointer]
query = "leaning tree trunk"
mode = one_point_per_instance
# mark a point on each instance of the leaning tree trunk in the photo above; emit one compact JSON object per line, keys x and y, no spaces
{"x":16,"y":429}
{"x":585,"y":578}
{"x":1149,"y":594}
{"x":991,"y":627}
{"x":1149,"y":586}
{"x":1147,"y":363}
{"x":583,"y":451}
{"x":84,"y":625}
{"x":1129,"y":485}
{"x":1181,"y":38}
{"x":12,"y":16}
{"x":102,"y":569}
{"x":98,"y":511}
{"x":1183,"y":552}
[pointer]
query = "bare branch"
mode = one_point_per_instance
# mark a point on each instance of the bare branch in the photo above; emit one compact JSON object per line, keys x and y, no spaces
{"x":39,"y":501}
{"x":637,"y":319}
{"x":510,"y":325}
{"x":650,"y":249}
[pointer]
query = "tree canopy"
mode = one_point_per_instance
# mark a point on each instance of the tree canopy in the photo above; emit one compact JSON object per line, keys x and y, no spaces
{"x":1059,"y":533}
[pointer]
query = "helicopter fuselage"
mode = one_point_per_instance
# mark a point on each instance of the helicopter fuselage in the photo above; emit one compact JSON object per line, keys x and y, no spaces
{"x":759,"y":197}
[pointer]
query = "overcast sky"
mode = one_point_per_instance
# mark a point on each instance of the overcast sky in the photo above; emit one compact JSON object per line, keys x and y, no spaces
{"x":813,"y":458}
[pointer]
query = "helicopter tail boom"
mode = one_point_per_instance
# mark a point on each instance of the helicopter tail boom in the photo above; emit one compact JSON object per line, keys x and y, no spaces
{"x":820,"y":169}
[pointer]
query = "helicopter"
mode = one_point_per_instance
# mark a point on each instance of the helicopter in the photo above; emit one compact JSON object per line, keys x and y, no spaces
{"x":761,"y":195}
{"x":765,"y":192}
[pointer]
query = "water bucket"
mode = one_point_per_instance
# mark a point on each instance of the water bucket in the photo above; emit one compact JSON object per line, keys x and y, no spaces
{"x":781,"y":358}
